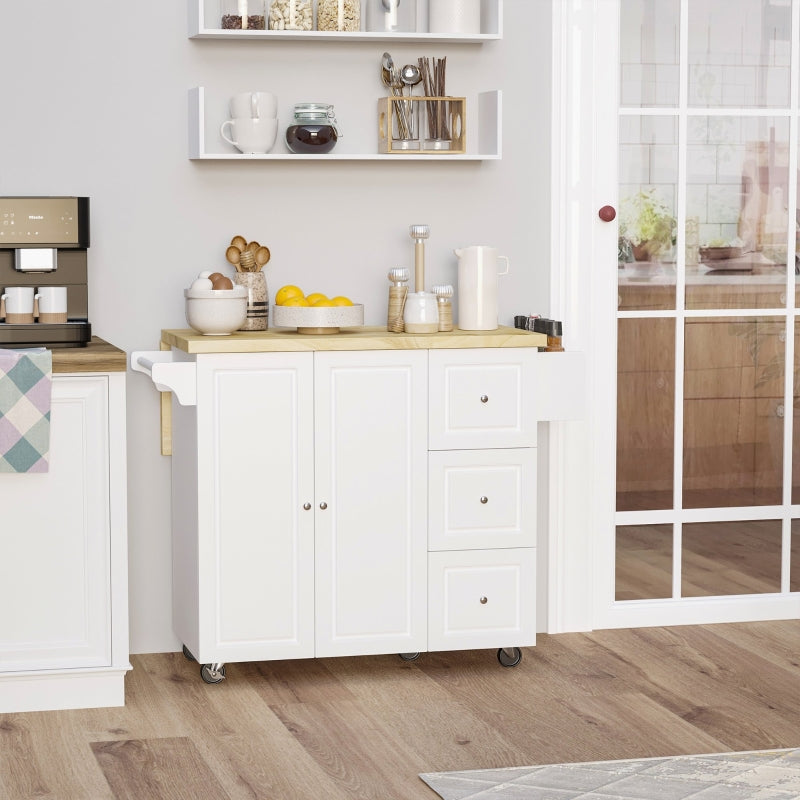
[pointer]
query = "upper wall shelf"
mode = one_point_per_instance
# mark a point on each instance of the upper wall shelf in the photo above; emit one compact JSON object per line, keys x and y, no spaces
{"x":204,"y":19}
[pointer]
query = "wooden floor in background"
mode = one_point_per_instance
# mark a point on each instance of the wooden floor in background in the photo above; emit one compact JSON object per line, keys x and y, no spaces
{"x":363,"y":728}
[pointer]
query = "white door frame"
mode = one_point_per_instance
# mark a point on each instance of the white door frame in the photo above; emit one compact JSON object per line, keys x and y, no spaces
{"x":581,"y":493}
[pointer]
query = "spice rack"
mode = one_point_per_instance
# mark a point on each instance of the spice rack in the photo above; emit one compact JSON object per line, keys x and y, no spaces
{"x":204,"y":23}
{"x":206,"y":145}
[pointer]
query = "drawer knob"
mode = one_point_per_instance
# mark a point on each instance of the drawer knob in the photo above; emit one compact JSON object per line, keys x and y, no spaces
{"x":307,"y":506}
{"x":484,"y":398}
{"x":484,"y":499}
{"x":323,"y":505}
{"x":484,"y":600}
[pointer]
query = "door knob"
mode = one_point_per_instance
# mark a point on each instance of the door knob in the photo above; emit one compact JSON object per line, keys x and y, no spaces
{"x":307,"y":506}
{"x":607,"y":213}
{"x":323,"y":505}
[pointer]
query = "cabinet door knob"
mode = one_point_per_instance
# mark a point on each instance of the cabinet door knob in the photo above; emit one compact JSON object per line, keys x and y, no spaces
{"x":484,"y":499}
{"x":607,"y":213}
{"x":323,"y":505}
{"x":484,"y":600}
{"x":484,"y":398}
{"x":307,"y":506}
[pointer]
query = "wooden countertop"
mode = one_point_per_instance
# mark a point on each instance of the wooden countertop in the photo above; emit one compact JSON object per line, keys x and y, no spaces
{"x":97,"y":356}
{"x":361,"y":338}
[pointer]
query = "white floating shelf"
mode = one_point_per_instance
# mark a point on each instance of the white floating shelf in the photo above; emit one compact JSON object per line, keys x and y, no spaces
{"x":488,"y":134}
{"x":204,"y":15}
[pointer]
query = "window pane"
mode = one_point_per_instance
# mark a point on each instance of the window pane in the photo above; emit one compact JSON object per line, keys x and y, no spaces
{"x":794,"y":558}
{"x":643,"y":562}
{"x":739,"y":53}
{"x":736,"y":198}
{"x":721,"y":558}
{"x":645,"y":413}
{"x":648,"y":161}
{"x":733,"y":411}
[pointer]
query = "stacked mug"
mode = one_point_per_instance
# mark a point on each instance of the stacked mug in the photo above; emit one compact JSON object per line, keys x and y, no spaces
{"x":22,"y":305}
{"x":253,"y":125}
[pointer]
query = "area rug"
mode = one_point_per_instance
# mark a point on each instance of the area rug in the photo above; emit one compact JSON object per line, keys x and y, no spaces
{"x":756,"y":775}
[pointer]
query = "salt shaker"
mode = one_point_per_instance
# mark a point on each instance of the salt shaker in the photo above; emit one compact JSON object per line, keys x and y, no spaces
{"x":444,"y":294}
{"x":398,"y":292}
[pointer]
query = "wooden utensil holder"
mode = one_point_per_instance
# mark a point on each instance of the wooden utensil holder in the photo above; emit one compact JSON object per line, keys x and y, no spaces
{"x":430,"y":113}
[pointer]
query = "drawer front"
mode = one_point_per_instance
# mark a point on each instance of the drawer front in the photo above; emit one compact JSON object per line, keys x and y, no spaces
{"x":481,"y":499}
{"x":482,"y":398}
{"x":481,"y":598}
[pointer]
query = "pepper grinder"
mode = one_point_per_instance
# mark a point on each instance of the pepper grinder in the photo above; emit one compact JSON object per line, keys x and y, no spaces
{"x":444,"y":293}
{"x":398,"y":292}
{"x":421,"y":314}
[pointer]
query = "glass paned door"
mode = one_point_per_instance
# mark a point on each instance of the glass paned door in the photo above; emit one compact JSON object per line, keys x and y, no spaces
{"x":707,"y":457}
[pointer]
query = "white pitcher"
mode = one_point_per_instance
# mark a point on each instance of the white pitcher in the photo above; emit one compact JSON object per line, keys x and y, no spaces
{"x":477,"y":287}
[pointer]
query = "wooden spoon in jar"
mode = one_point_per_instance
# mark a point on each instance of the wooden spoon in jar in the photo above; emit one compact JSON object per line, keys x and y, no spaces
{"x":233,"y":255}
{"x":262,"y":255}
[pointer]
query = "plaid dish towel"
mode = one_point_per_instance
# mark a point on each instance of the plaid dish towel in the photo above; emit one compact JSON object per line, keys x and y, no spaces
{"x":26,"y":378}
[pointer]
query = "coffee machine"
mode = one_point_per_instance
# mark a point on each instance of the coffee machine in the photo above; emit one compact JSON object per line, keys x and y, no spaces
{"x":43,"y":242}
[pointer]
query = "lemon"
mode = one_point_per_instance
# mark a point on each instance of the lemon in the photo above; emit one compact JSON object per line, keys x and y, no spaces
{"x":314,"y":297}
{"x":341,"y":300}
{"x":285,"y":292}
{"x":298,"y":300}
{"x":322,"y":303}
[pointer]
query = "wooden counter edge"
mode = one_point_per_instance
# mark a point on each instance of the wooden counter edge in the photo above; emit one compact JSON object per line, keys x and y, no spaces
{"x":363,"y":338}
{"x":97,"y":356}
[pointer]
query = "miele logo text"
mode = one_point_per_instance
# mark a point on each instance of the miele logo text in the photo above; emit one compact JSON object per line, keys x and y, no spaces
{"x":35,"y":216}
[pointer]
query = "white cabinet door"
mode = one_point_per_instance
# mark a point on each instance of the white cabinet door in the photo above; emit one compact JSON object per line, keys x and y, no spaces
{"x":54,"y":539}
{"x":370,"y":502}
{"x":255,"y":538}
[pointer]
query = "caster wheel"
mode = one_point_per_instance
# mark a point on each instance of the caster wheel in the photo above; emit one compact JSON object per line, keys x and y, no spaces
{"x":187,"y":655}
{"x":211,"y":675}
{"x":409,"y":656}
{"x":509,"y":656}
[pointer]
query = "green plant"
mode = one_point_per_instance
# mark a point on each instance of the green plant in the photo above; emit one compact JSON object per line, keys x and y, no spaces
{"x":646,"y":220}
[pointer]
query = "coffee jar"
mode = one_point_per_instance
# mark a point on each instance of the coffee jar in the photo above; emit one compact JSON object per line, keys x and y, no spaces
{"x":243,"y":15}
{"x":313,"y":129}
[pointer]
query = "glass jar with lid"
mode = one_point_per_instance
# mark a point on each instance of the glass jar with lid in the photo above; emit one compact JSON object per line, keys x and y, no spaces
{"x":313,"y":129}
{"x":243,"y":15}
{"x":291,"y":15}
{"x":339,"y":15}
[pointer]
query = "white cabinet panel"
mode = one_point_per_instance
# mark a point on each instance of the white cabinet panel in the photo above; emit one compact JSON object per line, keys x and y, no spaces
{"x":482,"y":498}
{"x":482,"y":398}
{"x":370,"y":505}
{"x":255,"y":537}
{"x":481,"y":598}
{"x":54,"y":537}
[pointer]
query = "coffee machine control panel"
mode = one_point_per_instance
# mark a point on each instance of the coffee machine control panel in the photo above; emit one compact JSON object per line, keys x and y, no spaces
{"x":44,"y":222}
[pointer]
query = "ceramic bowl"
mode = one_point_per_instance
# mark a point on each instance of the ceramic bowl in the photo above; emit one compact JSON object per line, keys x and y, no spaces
{"x":216,"y":312}
{"x":318,"y":320}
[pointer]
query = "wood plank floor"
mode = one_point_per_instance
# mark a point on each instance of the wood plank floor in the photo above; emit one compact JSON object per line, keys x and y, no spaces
{"x":363,"y":728}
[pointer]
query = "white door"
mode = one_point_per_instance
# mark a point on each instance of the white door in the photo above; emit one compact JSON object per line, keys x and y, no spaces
{"x":255,"y":523}
{"x":690,"y":135}
{"x":370,"y":502}
{"x":55,"y":544}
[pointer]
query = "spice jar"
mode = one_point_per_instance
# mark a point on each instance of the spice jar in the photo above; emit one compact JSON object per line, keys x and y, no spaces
{"x":291,"y":15}
{"x":313,"y":129}
{"x":339,"y":15}
{"x":243,"y":15}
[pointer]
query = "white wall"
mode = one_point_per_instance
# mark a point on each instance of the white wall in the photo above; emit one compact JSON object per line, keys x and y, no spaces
{"x":97,"y":105}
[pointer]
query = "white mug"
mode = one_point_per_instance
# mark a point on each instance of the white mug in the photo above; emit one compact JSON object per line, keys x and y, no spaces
{"x":254,"y":105}
{"x":52,"y":302}
{"x":477,"y":287}
{"x":18,"y":304}
{"x":251,"y":135}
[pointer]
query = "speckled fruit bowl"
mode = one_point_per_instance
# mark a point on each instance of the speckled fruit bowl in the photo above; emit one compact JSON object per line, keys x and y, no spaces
{"x":318,"y":320}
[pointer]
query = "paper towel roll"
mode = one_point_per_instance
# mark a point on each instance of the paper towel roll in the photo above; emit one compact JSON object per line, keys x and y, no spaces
{"x":454,"y":16}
